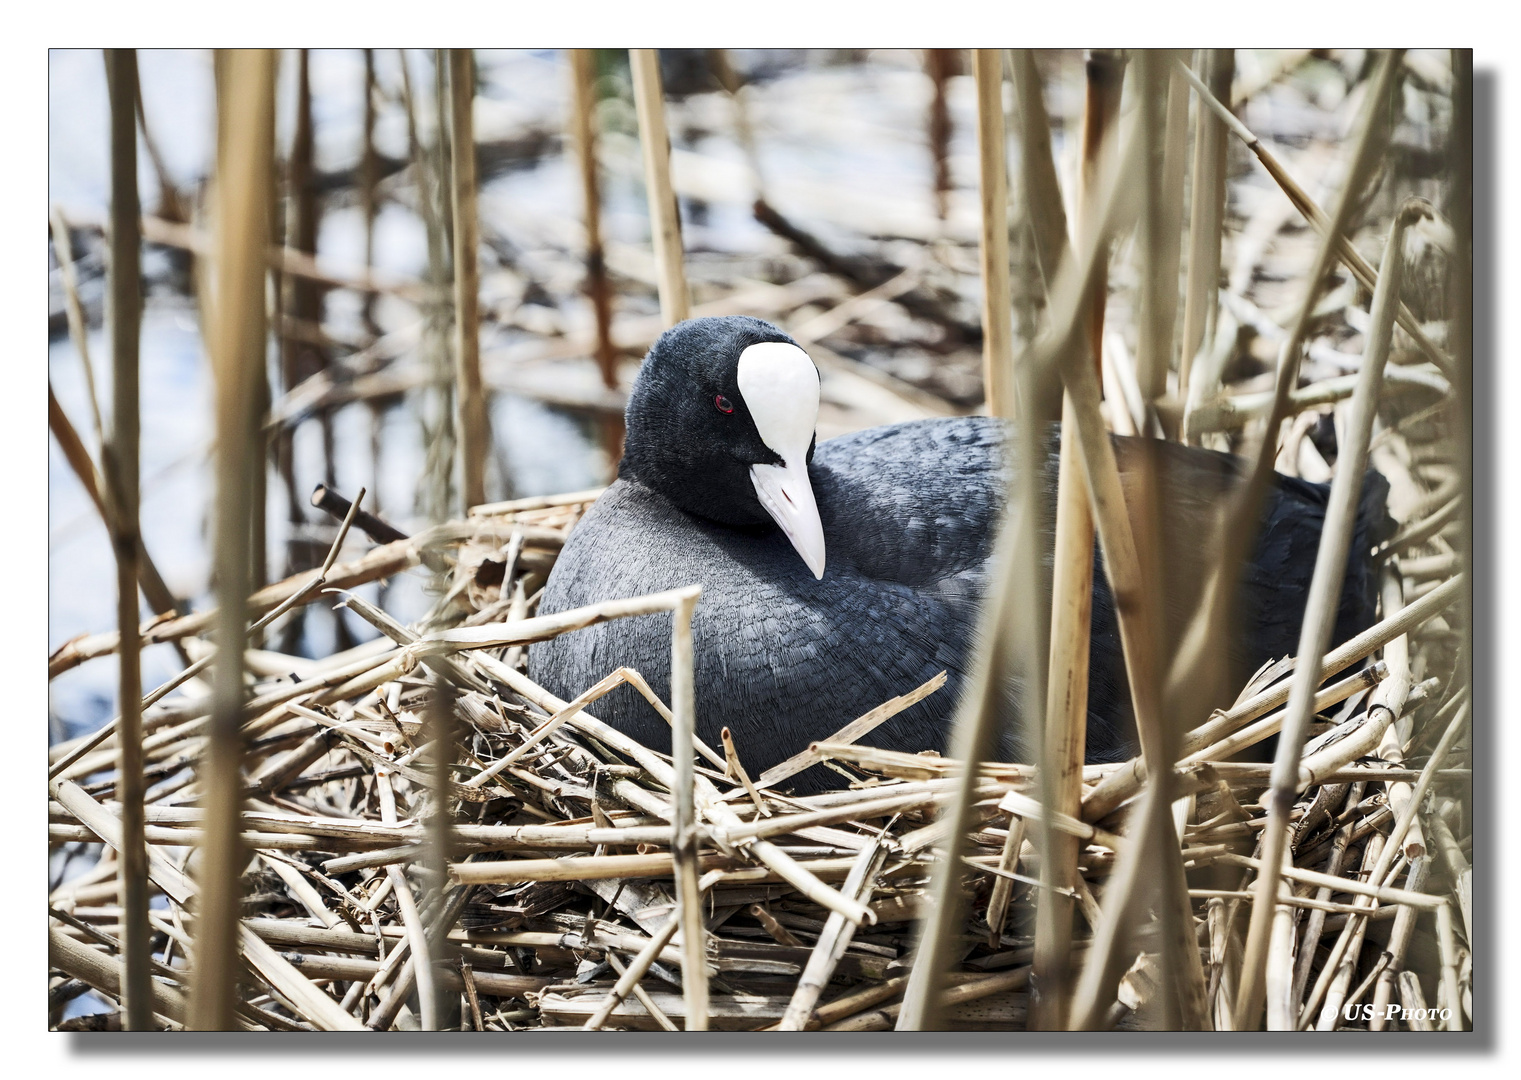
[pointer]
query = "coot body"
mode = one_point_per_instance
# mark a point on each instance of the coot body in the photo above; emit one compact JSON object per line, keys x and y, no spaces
{"x":789,"y":650}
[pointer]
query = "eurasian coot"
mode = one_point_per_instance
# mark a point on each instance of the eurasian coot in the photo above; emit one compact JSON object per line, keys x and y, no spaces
{"x":835,"y":577}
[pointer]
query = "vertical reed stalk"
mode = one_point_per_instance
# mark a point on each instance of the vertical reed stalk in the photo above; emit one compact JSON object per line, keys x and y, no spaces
{"x":436,"y":409}
{"x":475,"y":437}
{"x":1322,"y":602}
{"x":665,"y":218}
{"x":1071,"y":594}
{"x":120,"y":457}
{"x":1160,"y":241}
{"x":245,"y":142}
{"x":369,"y":180}
{"x":1206,"y":216}
{"x":1012,"y":626}
{"x":993,"y":186}
{"x":940,"y":65}
{"x":694,"y":970}
{"x":598,"y":290}
{"x":1045,"y":212}
{"x":728,"y":78}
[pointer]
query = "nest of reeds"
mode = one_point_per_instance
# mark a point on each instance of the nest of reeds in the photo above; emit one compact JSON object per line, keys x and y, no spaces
{"x":558,"y":903}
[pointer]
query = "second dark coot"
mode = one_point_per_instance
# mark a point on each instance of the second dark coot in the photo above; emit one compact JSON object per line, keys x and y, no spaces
{"x":840,"y":575}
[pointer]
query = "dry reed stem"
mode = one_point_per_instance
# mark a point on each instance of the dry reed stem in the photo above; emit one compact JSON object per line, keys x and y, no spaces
{"x":993,"y":186}
{"x":684,"y":822}
{"x":1038,"y":183}
{"x":665,"y":218}
{"x":475,"y":430}
{"x":1066,"y":714}
{"x":1140,"y":633}
{"x":833,"y":939}
{"x":119,"y":455}
{"x":856,"y":729}
{"x":236,"y":340}
{"x":1399,"y":941}
{"x":1206,"y":223}
{"x":1322,"y":604}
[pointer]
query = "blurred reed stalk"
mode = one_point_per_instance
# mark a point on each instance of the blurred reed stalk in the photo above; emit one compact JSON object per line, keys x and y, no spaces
{"x":1341,"y":511}
{"x":302,"y":305}
{"x":120,"y":459}
{"x":583,"y":69}
{"x":1072,"y":589}
{"x":245,"y":147}
{"x":155,"y":592}
{"x":430,"y":168}
{"x":940,"y":65}
{"x":1011,"y":628}
{"x":475,"y":432}
{"x":665,"y":217}
{"x":369,"y":180}
{"x":993,"y":186}
{"x":1206,"y":217}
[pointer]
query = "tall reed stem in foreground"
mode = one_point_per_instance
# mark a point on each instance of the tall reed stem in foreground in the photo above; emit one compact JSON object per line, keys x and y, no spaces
{"x":245,"y":146}
{"x":120,"y":458}
{"x":475,"y":437}
{"x":1071,"y":593}
{"x":665,"y":219}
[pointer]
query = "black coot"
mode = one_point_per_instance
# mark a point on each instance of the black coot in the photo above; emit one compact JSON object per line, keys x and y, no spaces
{"x":839,"y":576}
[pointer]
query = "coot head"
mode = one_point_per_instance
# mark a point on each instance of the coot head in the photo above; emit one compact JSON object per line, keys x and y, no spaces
{"x":721,"y":422}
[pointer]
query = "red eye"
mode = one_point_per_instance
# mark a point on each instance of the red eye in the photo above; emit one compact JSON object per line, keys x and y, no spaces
{"x":723,"y":404}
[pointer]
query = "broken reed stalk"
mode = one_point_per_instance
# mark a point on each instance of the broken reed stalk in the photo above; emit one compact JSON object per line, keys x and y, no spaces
{"x":120,"y":458}
{"x":1206,"y":221}
{"x":684,"y":825}
{"x":475,"y":431}
{"x":245,"y":147}
{"x":598,"y":289}
{"x":1072,"y":590}
{"x":665,"y":217}
{"x":1323,"y":601}
{"x":993,"y":187}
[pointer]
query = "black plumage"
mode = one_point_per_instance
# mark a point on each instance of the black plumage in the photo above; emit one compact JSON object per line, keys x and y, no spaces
{"x":909,"y":513}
